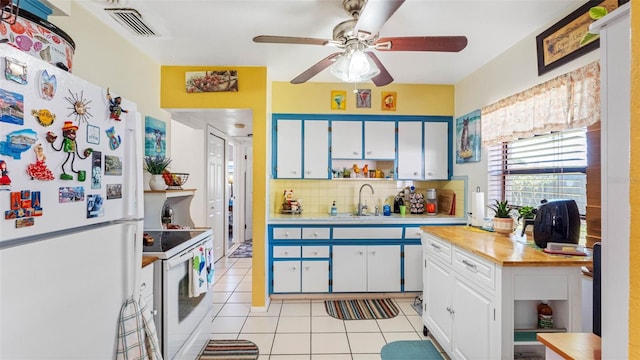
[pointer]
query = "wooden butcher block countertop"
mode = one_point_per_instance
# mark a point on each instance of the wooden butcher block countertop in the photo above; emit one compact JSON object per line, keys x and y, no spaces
{"x":147,"y":260}
{"x":501,"y":249}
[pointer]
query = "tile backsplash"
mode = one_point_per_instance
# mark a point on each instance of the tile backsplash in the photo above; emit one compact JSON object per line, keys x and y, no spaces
{"x":317,"y":195}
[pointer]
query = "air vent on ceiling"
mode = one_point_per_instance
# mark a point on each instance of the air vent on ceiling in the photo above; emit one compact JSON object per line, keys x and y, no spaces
{"x":131,"y":19}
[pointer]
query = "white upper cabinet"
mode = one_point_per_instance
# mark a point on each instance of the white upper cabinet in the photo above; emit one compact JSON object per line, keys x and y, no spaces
{"x":289,"y":149}
{"x":346,"y":139}
{"x":409,"y":150}
{"x":316,"y":149}
{"x":436,"y":150}
{"x":379,"y":139}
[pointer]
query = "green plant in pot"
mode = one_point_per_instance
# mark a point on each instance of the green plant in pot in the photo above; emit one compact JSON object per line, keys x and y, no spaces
{"x":156,"y":166}
{"x":526,"y":215}
{"x":502,"y":220}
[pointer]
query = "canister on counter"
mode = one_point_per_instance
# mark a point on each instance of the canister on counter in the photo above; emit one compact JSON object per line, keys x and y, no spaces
{"x":432,"y":202}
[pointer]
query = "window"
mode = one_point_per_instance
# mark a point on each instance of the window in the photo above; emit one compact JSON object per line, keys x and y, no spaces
{"x":551,"y":166}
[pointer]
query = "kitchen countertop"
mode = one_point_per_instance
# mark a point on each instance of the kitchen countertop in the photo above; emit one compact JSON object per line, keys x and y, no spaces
{"x":148,"y":260}
{"x":348,"y":218}
{"x":578,"y":346}
{"x":501,"y":249}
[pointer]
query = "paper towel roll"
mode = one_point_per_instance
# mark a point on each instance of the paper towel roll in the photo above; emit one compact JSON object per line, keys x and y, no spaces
{"x":477,"y":209}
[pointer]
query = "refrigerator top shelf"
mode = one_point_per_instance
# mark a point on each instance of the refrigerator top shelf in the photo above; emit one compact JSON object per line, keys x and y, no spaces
{"x":168,"y":243}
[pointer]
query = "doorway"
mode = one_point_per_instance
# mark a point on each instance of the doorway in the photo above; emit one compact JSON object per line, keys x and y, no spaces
{"x":216,"y":207}
{"x":230,"y":191}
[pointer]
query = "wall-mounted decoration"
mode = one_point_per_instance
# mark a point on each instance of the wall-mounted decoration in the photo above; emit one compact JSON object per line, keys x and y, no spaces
{"x":69,"y":194}
{"x":112,"y":165}
{"x":363,"y":98}
{"x":48,"y":85}
{"x":93,"y":134}
{"x":561,"y":43}
{"x":389,"y":100}
{"x":338,"y":100}
{"x":18,"y":142}
{"x":468,"y":141}
{"x":11,"y":107}
{"x":14,"y":70}
{"x":44,"y":117}
{"x":24,"y":206}
{"x":96,"y":170}
{"x":114,"y":140}
{"x":5,"y":180}
{"x":79,"y":106}
{"x":155,"y":137}
{"x":115,"y":109}
{"x":95,"y":204}
{"x":69,"y":145}
{"x":114,"y":191}
{"x":211,"y":81}
{"x":39,"y":169}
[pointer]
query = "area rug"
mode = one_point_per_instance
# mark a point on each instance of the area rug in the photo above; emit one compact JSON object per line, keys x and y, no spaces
{"x":410,"y":349}
{"x":362,"y":309}
{"x":229,"y":350}
{"x":244,"y":250}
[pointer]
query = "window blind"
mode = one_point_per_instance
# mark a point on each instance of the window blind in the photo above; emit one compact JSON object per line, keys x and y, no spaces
{"x":550,"y":166}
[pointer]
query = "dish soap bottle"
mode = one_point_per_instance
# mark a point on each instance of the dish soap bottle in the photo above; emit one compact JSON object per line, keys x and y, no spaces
{"x":334,"y":209}
{"x":545,"y":315}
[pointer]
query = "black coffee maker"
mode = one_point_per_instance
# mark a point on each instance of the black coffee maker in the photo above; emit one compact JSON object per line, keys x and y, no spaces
{"x":556,"y":221}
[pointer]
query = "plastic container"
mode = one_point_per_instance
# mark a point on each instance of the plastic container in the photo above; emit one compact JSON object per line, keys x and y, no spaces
{"x":545,"y":315}
{"x":386,"y":210}
{"x":334,"y":209}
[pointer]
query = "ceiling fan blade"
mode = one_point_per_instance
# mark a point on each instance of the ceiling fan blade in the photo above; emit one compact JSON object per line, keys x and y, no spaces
{"x":315,"y":69}
{"x":422,"y":43}
{"x":373,"y":16}
{"x":384,"y":78}
{"x":274,"y":39}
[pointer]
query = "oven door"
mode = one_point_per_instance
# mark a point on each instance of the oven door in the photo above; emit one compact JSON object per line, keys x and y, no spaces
{"x":181,"y":313}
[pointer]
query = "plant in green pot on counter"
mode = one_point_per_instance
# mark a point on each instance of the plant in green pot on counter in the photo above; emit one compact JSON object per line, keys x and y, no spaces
{"x":502,"y":221}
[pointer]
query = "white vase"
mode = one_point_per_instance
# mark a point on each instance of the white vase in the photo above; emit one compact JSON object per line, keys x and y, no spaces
{"x":157,"y":182}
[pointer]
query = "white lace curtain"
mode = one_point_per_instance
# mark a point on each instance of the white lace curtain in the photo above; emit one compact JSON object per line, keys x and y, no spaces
{"x":568,"y":101}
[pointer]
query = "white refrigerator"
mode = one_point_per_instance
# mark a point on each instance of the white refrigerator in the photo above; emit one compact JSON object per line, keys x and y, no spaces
{"x":71,"y":230}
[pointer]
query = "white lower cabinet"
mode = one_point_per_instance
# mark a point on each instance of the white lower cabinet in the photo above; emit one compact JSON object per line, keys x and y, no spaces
{"x":315,"y":276}
{"x":374,"y":268}
{"x":413,"y":267}
{"x":472,"y":311}
{"x":300,"y":269}
{"x":286,"y":276}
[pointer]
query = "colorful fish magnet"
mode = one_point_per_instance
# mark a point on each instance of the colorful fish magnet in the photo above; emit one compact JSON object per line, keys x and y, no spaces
{"x":48,"y":85}
{"x":44,"y":117}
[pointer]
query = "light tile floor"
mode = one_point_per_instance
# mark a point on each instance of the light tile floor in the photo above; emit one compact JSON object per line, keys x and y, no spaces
{"x":295,"y":329}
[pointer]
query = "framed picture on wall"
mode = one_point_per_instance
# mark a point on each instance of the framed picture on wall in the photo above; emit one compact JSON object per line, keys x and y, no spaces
{"x":363,"y":98}
{"x":389,"y":100}
{"x":468,"y":139}
{"x":155,"y":137}
{"x":338,"y":100}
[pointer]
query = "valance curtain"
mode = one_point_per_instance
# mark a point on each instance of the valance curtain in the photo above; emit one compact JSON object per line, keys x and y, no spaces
{"x":568,"y":101}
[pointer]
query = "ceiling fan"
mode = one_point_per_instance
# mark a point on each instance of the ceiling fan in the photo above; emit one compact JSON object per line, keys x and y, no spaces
{"x":357,"y":37}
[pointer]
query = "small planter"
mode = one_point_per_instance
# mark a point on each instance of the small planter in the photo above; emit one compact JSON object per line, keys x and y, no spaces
{"x":157,"y":183}
{"x":503,"y":225}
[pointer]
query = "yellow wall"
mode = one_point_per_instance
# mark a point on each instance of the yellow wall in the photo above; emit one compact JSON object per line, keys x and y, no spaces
{"x":252,"y":94}
{"x":315,"y":98}
{"x":634,"y":241}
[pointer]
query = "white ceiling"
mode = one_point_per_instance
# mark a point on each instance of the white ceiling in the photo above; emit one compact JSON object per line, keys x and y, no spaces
{"x":220,"y":33}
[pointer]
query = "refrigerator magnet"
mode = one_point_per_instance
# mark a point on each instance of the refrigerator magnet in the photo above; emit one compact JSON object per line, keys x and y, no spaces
{"x":114,"y":140}
{"x":15,"y":71}
{"x":79,"y":106}
{"x":5,"y":181}
{"x":18,"y":142}
{"x":48,"y":85}
{"x":44,"y":117}
{"x":94,"y":206}
{"x":39,"y":170}
{"x":96,"y":170}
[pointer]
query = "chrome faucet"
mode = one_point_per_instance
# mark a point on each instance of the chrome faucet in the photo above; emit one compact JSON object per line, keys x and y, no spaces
{"x":360,"y":197}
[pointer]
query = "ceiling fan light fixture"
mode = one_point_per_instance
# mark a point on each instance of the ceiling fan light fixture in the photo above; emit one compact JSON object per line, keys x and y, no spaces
{"x":354,"y":66}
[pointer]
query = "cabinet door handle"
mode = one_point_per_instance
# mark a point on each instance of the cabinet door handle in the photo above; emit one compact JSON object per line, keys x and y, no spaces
{"x":315,"y":253}
{"x":286,"y":253}
{"x":369,"y":152}
{"x":293,"y":268}
{"x":415,"y":173}
{"x":315,"y":234}
{"x":306,"y":268}
{"x":286,"y":234}
{"x":470,"y":264}
{"x":373,"y":252}
{"x":154,"y":312}
{"x":355,"y":153}
{"x":436,"y":246}
{"x":143,"y":286}
{"x":360,"y":253}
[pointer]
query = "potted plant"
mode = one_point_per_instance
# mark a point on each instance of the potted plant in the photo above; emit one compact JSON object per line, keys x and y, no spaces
{"x":502,"y":220}
{"x":156,"y":166}
{"x":526,"y":214}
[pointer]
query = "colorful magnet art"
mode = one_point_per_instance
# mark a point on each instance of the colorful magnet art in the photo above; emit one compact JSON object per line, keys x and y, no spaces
{"x":93,"y":134}
{"x":11,"y":107}
{"x":112,"y":165}
{"x":39,"y":169}
{"x":44,"y":117}
{"x":69,"y":194}
{"x":94,"y":206}
{"x":5,"y":181}
{"x":96,"y":170}
{"x":24,"y":206}
{"x":18,"y":142}
{"x":48,"y":85}
{"x":70,"y":146}
{"x":114,"y":140}
{"x":79,"y":106}
{"x":14,"y":70}
{"x":114,"y":191}
{"x":115,"y":109}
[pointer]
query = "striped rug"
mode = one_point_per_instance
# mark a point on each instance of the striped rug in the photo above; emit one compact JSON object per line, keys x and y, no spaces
{"x":362,"y":309}
{"x":229,"y":350}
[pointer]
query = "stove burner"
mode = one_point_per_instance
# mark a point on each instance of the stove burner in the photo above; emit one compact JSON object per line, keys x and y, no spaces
{"x":166,"y":241}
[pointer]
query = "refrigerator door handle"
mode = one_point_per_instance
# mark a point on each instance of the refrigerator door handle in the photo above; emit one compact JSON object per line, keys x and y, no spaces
{"x":134,"y":152}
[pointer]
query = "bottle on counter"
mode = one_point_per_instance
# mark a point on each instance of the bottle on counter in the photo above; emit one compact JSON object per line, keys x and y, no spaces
{"x":545,"y":315}
{"x":386,"y":210}
{"x":334,"y":209}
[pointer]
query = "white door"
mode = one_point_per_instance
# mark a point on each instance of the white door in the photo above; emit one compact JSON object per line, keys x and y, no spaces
{"x":315,"y":276}
{"x":409,"y":150}
{"x":472,"y":312}
{"x":289,"y":149}
{"x":216,"y":209}
{"x":286,"y":276}
{"x":437,"y":300}
{"x":346,"y":139}
{"x":436,"y":150}
{"x":383,"y":268}
{"x":379,"y":139}
{"x":349,"y":268}
{"x":413,"y":268}
{"x":316,"y":149}
{"x":248,"y":193}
